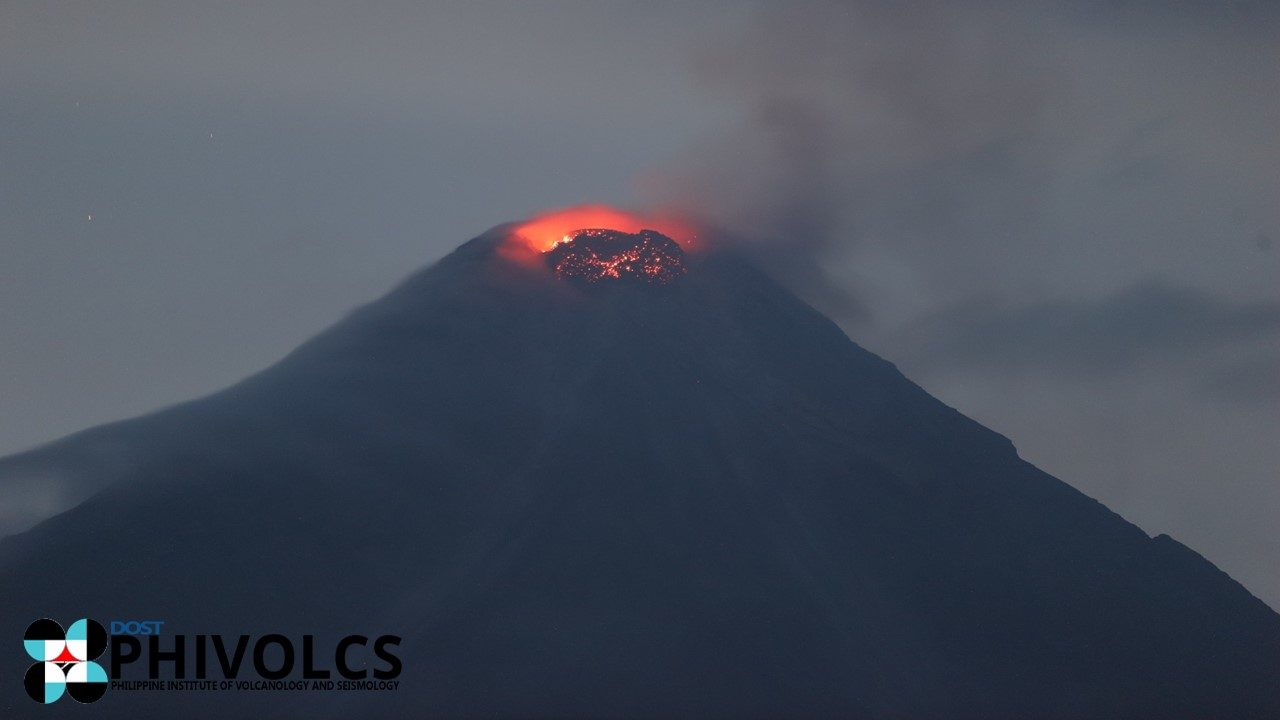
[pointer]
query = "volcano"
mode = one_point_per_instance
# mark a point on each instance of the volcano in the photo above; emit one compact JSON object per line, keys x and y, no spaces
{"x":584,"y":499}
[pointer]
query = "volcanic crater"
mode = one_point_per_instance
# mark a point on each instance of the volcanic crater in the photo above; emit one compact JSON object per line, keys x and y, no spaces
{"x":597,"y":255}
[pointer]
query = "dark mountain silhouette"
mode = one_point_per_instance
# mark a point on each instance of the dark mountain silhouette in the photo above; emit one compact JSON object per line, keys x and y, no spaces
{"x":620,"y":500}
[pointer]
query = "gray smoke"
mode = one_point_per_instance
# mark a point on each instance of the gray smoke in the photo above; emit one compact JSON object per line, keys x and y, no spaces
{"x":1008,"y":146}
{"x":1056,"y":216}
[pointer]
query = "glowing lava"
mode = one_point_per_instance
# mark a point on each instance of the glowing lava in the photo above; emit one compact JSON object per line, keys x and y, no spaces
{"x":596,"y":255}
{"x":544,"y":232}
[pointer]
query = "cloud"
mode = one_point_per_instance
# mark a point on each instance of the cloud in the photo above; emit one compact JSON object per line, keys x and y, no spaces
{"x":1253,"y":380}
{"x":1148,"y":323}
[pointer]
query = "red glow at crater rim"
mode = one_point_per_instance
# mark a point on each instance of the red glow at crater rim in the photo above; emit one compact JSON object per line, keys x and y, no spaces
{"x":543,"y":232}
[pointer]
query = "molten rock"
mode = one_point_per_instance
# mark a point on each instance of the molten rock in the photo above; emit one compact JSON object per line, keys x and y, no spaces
{"x":595,"y":255}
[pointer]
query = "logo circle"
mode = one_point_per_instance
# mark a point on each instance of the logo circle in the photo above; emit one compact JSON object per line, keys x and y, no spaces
{"x":64,"y":660}
{"x":45,"y":682}
{"x":44,"y":640}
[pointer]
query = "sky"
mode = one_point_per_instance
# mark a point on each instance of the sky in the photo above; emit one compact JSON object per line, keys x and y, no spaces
{"x":1059,"y":218}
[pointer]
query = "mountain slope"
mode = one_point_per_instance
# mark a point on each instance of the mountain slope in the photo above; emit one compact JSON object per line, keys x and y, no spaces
{"x":699,"y":500}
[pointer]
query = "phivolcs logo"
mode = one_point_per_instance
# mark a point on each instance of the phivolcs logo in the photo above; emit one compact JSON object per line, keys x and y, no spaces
{"x":65,"y":660}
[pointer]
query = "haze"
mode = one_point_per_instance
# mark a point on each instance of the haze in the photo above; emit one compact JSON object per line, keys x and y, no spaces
{"x":1059,"y":218}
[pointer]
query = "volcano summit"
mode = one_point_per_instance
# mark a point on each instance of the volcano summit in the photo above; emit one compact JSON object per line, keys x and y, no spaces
{"x":701,"y":502}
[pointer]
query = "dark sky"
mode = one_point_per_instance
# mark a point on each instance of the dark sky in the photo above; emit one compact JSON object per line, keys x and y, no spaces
{"x":1060,"y":218}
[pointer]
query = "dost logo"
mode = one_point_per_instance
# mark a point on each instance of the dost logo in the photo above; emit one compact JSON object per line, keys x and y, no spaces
{"x":65,"y":660}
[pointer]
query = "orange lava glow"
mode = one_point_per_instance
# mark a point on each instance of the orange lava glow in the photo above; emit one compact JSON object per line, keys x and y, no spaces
{"x":543,"y":232}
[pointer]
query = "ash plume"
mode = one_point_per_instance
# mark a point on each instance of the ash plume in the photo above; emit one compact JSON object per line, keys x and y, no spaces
{"x":934,"y":144}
